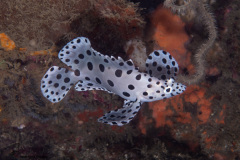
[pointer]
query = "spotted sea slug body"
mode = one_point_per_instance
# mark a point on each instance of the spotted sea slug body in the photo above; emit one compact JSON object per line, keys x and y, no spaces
{"x":90,"y":70}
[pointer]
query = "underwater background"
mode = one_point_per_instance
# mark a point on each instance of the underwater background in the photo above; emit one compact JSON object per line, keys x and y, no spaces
{"x":200,"y":124}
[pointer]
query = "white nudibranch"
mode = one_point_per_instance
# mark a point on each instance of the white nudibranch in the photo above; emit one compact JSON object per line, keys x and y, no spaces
{"x":93,"y":71}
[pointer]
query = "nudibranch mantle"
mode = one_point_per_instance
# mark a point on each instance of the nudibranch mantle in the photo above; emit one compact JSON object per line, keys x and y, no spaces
{"x":90,"y":70}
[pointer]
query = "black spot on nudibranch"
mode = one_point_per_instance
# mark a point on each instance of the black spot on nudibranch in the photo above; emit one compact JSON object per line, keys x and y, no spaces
{"x":56,"y":85}
{"x":81,"y":56}
{"x":129,"y":63}
{"x":150,"y":72}
{"x":76,"y":61}
{"x":131,"y":87}
{"x":168,"y":90}
{"x":77,"y":72}
{"x":163,"y":77}
{"x":51,"y":69}
{"x":98,"y":80}
{"x":164,"y":52}
{"x":159,"y":69}
{"x":110,"y":83}
{"x":123,"y":111}
{"x":90,"y":66}
{"x":101,"y":67}
{"x":156,"y":53}
{"x":66,"y":80}
{"x":63,"y":87}
{"x":78,"y":40}
{"x":145,"y":93}
{"x":67,"y":60}
{"x":175,"y":69}
{"x":59,"y":76}
{"x":118,"y":73}
{"x":74,"y":47}
{"x":149,"y":85}
{"x":89,"y":52}
{"x":129,"y":110}
{"x":126,"y":94}
{"x":154,"y":64}
{"x":129,"y":71}
{"x":46,"y":76}
{"x":121,"y":64}
{"x":105,"y":60}
{"x":164,"y":60}
{"x":138,"y":77}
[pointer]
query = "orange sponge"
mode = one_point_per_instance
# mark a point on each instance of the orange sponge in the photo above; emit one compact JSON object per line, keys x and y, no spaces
{"x":170,"y":35}
{"x":6,"y":42}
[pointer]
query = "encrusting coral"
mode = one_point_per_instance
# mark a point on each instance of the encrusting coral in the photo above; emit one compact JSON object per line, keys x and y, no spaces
{"x":198,"y":9}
